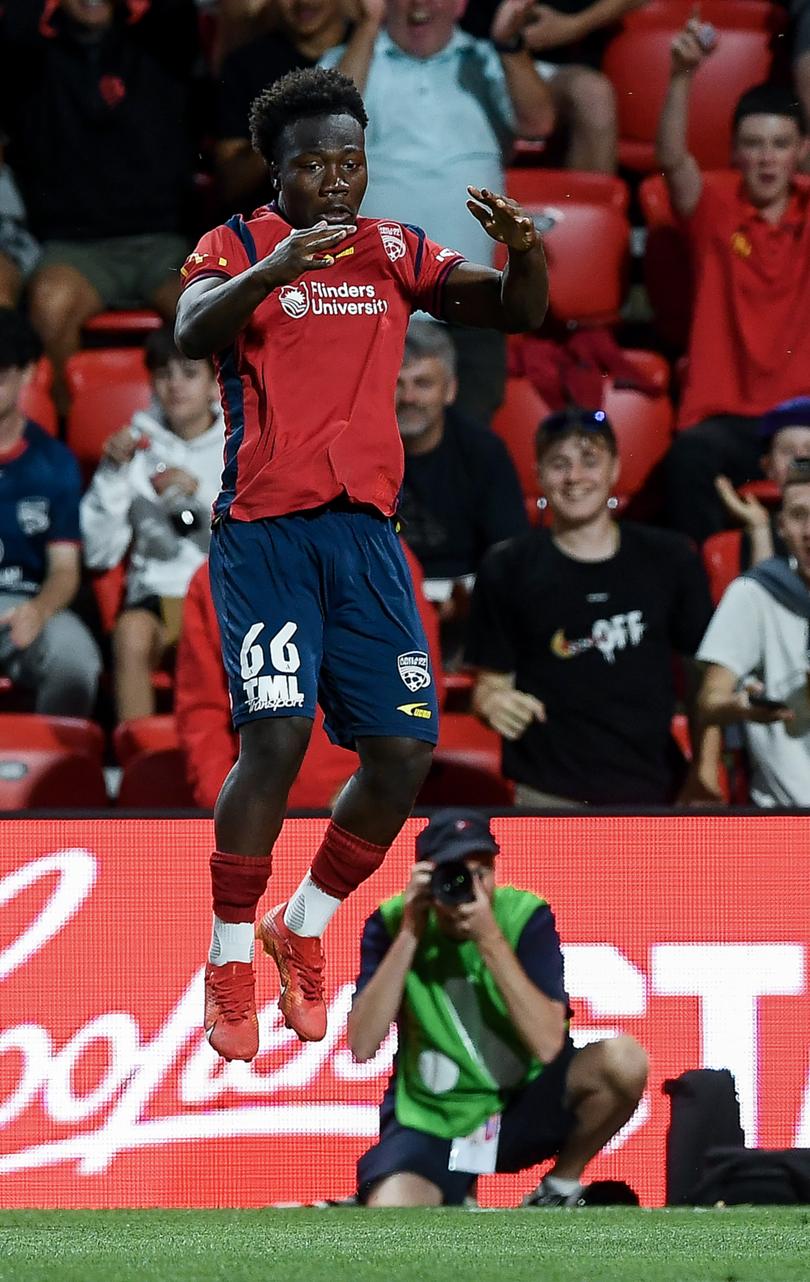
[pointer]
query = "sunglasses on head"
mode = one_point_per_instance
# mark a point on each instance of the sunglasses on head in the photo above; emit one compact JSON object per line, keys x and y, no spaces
{"x":581,"y":420}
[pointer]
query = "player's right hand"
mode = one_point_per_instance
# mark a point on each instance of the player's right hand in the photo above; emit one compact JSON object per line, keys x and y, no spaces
{"x":121,"y":447}
{"x":692,"y":46}
{"x":511,"y":712}
{"x":306,"y":250}
{"x":417,"y":898}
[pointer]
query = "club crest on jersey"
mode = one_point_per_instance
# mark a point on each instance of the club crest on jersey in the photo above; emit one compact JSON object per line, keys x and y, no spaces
{"x":413,"y":669}
{"x":393,"y":240}
{"x":294,"y":300}
{"x":33,"y":516}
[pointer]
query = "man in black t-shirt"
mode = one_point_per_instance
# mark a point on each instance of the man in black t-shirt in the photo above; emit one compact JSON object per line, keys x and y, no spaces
{"x":97,"y":99}
{"x":461,"y":493}
{"x":573,"y":629}
{"x":301,"y":36}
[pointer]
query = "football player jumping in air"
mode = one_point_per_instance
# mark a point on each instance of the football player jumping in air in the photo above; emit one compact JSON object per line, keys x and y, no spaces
{"x":304,"y":308}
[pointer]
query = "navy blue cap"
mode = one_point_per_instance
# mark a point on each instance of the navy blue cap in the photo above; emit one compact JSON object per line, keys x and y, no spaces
{"x":793,"y":413}
{"x":454,"y":834}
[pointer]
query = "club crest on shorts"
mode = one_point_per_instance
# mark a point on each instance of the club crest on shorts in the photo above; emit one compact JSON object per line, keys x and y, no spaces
{"x":413,"y":669}
{"x":294,"y":300}
{"x":393,"y":240}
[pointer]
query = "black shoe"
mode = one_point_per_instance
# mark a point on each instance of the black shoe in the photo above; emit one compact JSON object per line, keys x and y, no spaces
{"x":543,"y":1196}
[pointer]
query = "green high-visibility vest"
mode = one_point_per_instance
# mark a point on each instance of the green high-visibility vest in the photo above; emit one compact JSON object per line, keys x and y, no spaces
{"x":459,"y":1053}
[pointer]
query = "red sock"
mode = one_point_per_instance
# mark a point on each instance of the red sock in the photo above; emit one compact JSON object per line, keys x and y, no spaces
{"x":238,"y":883}
{"x":343,"y":861}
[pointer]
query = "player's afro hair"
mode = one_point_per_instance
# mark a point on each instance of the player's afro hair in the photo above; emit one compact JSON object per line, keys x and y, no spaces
{"x":312,"y":91}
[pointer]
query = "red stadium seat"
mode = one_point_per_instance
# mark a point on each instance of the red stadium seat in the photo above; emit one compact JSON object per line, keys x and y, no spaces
{"x":50,"y":762}
{"x":36,"y":404}
{"x":637,"y":62}
{"x":643,"y":426}
{"x":516,"y":422}
{"x":108,"y":589}
{"x":721,"y":557}
{"x":154,"y":766}
{"x":33,"y":730}
{"x":535,"y":187}
{"x":586,"y":237}
{"x":462,"y":732}
{"x":458,"y":778}
{"x":104,"y":367}
{"x":667,"y":266}
{"x":43,"y":374}
{"x":141,"y":321}
{"x":51,"y":779}
{"x":98,"y":411}
{"x":767,"y":492}
{"x":323,"y":773}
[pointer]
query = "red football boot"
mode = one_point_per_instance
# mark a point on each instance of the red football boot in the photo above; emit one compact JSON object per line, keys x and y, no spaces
{"x":300,"y":964}
{"x":230,"y":1019}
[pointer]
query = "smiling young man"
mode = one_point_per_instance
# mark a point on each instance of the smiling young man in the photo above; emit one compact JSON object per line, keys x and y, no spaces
{"x":749,"y":345}
{"x":573,"y":630}
{"x":305,"y":308}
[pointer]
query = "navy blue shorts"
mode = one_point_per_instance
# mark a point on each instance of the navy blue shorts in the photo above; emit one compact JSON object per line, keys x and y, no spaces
{"x":318,"y":607}
{"x":534,"y":1126}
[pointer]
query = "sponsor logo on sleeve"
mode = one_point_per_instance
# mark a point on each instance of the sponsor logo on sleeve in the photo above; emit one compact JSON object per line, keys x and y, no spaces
{"x":197,"y":260}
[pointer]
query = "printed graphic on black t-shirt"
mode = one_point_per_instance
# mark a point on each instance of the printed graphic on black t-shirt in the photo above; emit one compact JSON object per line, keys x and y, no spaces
{"x":594,"y":641}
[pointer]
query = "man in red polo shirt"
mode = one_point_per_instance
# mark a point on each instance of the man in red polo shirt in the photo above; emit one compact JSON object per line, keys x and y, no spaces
{"x":749,"y":346}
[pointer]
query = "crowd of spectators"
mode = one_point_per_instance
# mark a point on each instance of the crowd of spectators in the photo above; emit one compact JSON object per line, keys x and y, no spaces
{"x":124,"y":128}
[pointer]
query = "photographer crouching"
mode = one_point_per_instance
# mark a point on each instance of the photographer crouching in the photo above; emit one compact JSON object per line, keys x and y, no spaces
{"x":486,"y":1076}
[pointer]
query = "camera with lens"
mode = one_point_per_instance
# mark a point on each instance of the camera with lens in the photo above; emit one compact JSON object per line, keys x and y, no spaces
{"x":451,"y":884}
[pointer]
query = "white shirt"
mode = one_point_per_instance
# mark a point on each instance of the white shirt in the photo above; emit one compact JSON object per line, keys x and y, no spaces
{"x":121,"y":512}
{"x":751,"y":634}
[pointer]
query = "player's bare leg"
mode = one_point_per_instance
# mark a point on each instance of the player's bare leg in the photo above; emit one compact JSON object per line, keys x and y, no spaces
{"x":248,"y":818}
{"x":367,"y":817}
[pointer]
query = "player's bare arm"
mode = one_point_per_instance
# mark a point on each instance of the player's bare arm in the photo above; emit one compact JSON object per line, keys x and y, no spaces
{"x":211,"y":312}
{"x":514,"y":300}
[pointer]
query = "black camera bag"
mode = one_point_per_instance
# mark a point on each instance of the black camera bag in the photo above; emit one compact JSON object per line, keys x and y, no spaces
{"x":705,"y":1114}
{"x":755,"y":1176}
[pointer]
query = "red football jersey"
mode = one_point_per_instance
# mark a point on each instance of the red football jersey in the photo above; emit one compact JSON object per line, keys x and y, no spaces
{"x":308,"y":386}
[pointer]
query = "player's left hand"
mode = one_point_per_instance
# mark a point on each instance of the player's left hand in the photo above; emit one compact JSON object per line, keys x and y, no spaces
{"x":24,"y":622}
{"x":503,"y":219}
{"x":476,"y":920}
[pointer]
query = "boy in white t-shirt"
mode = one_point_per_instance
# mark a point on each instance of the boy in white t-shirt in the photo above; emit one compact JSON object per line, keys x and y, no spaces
{"x":758,"y":651}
